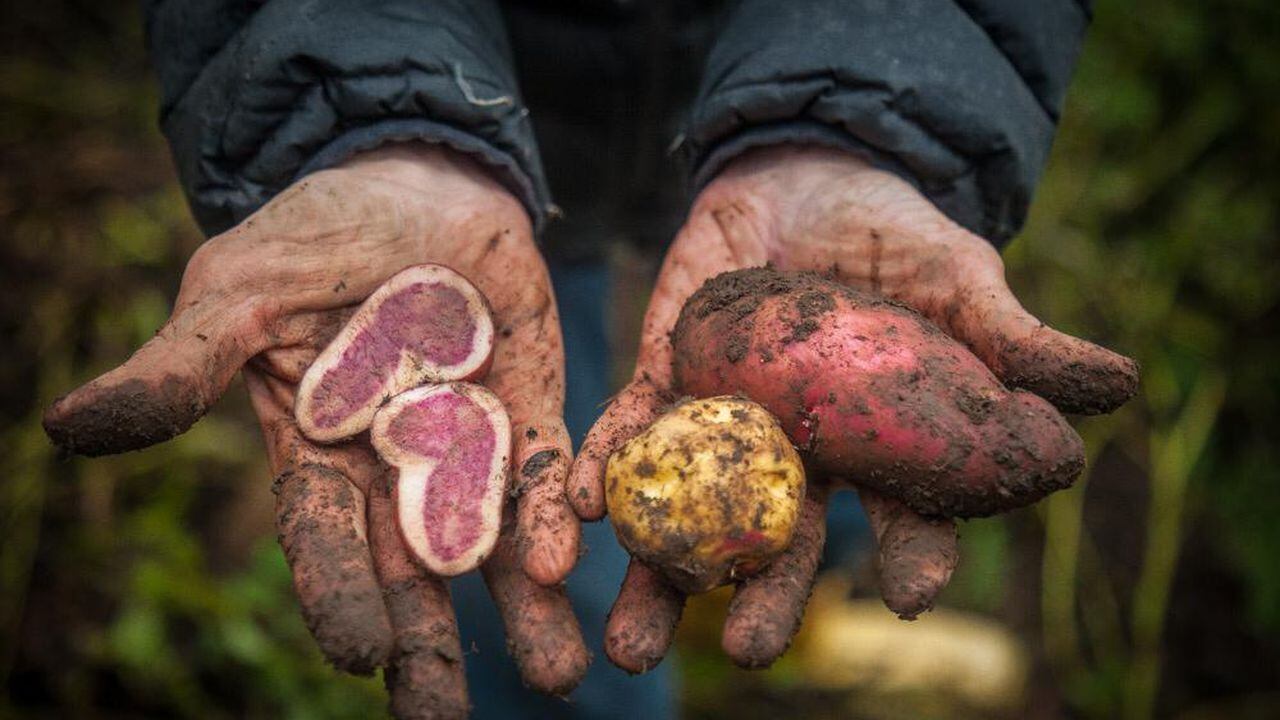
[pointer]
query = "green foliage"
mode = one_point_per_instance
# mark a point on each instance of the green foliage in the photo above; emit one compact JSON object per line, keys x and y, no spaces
{"x":148,"y":583}
{"x":1155,"y":232}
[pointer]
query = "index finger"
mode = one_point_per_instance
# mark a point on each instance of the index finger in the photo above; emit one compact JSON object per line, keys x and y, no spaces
{"x":320,"y":517}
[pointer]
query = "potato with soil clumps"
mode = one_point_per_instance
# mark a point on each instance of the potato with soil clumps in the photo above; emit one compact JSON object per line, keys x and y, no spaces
{"x":710,"y":492}
{"x":872,"y":392}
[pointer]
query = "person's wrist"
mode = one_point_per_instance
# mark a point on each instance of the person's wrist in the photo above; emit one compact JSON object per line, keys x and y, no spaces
{"x":442,"y":186}
{"x":798,"y":197}
{"x":792,"y":169}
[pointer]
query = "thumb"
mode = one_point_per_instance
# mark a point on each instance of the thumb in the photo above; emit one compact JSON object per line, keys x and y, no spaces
{"x":627,"y":415}
{"x":171,"y":381}
{"x":1075,"y":375}
{"x":711,"y":242}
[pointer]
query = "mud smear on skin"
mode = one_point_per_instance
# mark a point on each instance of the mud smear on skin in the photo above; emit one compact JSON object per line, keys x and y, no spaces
{"x":317,"y":512}
{"x":642,"y":622}
{"x":129,"y":416}
{"x":767,"y":611}
{"x":538,"y":462}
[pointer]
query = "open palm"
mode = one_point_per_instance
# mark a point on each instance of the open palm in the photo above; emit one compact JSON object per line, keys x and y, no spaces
{"x":265,"y":298}
{"x":815,"y":209}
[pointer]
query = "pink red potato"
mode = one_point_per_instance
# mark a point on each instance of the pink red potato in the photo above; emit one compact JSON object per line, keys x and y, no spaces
{"x":427,"y":324}
{"x":871,"y":391}
{"x":450,"y":446}
{"x":875,"y":394}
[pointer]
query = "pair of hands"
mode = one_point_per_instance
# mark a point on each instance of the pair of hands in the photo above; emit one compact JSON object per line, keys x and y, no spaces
{"x":265,"y":297}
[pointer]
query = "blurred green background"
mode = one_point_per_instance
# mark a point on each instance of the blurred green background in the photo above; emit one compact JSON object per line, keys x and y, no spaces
{"x":150,"y":584}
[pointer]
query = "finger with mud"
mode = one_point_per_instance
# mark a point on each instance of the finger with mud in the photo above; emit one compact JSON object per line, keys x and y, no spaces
{"x":917,"y":554}
{"x":548,"y":530}
{"x":543,"y":636}
{"x":425,"y":672}
{"x":1075,"y":375}
{"x":320,"y":518}
{"x":766,"y":609}
{"x":164,"y":388}
{"x":628,"y":414}
{"x":642,"y":622}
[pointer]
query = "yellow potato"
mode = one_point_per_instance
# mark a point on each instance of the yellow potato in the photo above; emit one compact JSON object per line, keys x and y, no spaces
{"x":709,"y":492}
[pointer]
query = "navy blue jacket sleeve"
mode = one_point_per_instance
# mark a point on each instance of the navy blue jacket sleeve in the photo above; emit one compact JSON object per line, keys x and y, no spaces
{"x":960,"y":97}
{"x":254,"y":95}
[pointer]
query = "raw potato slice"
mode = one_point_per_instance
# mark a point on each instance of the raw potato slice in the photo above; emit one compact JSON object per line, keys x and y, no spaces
{"x":450,"y":445}
{"x":427,"y":324}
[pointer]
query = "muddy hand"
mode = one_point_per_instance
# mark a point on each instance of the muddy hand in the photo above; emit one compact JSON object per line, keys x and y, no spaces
{"x":265,"y":297}
{"x":816,"y":209}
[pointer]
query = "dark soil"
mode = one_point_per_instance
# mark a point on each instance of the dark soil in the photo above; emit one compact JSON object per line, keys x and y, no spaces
{"x":104,"y":419}
{"x":332,"y":568}
{"x":961,"y":444}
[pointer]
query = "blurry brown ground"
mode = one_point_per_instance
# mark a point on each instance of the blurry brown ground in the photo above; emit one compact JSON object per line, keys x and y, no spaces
{"x":150,"y":585}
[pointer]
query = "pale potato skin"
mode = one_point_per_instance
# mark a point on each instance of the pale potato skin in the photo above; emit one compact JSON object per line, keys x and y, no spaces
{"x":710,"y":492}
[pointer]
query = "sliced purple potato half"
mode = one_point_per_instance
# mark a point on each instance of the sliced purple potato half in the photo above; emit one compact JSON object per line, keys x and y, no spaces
{"x":450,"y":445}
{"x":427,"y":324}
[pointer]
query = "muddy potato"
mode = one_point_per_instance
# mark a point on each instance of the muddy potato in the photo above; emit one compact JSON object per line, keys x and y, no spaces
{"x":870,"y":390}
{"x":709,"y":492}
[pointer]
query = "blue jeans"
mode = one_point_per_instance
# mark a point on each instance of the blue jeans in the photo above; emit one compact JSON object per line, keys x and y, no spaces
{"x":583,"y":292}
